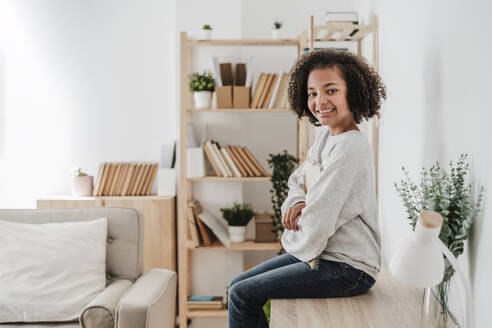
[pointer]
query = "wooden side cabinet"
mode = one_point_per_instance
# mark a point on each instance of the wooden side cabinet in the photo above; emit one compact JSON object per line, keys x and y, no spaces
{"x":159,"y":222}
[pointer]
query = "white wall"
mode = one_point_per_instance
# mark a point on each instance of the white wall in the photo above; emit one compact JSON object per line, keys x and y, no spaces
{"x":82,"y":82}
{"x":435,"y":61}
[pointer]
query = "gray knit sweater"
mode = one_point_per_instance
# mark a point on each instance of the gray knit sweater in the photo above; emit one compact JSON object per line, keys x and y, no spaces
{"x":339,"y":222}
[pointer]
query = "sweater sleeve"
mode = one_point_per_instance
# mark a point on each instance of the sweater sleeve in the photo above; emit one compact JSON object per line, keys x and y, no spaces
{"x":324,"y":203}
{"x":296,"y":189}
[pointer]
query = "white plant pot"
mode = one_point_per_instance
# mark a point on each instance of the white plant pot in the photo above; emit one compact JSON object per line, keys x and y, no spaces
{"x":203,"y":99}
{"x":82,"y":186}
{"x":276,"y":34}
{"x":206,"y":34}
{"x":237,"y":234}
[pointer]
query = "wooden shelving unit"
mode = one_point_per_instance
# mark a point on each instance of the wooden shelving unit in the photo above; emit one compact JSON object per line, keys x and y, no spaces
{"x":317,"y":33}
{"x":185,"y":193}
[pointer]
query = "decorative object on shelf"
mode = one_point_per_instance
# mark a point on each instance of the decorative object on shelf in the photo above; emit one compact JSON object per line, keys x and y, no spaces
{"x":450,"y":196}
{"x":206,"y":32}
{"x":282,"y":164}
{"x":419,"y":262}
{"x":166,"y":175}
{"x":342,"y":17}
{"x":82,"y":183}
{"x":195,"y":164}
{"x":277,"y":25}
{"x":238,"y":216}
{"x":202,"y":86}
{"x":264,"y":230}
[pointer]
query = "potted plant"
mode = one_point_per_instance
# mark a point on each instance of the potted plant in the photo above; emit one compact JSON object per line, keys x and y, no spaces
{"x":449,"y":195}
{"x":277,"y":25}
{"x":202,"y":86}
{"x":206,"y":32}
{"x":82,"y":183}
{"x":238,"y":216}
{"x":282,"y":164}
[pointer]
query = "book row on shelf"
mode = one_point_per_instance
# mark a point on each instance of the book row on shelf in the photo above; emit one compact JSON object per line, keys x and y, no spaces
{"x":206,"y":303}
{"x":200,"y":233}
{"x":271,"y":91}
{"x":233,"y":161}
{"x":233,"y":89}
{"x":125,"y":179}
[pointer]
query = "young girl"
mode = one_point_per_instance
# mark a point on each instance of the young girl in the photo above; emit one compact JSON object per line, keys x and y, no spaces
{"x":332,"y":237}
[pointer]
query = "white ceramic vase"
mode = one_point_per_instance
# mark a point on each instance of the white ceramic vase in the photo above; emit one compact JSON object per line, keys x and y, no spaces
{"x":276,"y":33}
{"x":203,"y":99}
{"x":237,"y":234}
{"x":206,"y":34}
{"x":82,"y":186}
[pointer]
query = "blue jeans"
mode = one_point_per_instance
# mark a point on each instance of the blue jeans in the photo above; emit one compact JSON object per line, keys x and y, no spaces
{"x":287,"y":277}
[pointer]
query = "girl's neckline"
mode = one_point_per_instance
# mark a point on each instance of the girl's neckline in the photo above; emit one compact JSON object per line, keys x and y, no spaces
{"x":344,"y":133}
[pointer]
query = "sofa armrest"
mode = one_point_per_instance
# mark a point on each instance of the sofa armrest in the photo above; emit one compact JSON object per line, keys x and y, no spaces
{"x":150,"y":302}
{"x":101,"y":311}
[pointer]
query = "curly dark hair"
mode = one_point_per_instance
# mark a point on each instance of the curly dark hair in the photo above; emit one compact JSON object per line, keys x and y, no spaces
{"x":365,"y":90}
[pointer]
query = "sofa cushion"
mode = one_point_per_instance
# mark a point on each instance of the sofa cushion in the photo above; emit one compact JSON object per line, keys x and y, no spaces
{"x":50,"y":271}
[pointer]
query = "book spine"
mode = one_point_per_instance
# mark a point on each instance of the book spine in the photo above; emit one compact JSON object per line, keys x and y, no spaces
{"x":99,"y":178}
{"x":222,"y":159}
{"x":155,"y":168}
{"x":192,"y":228}
{"x":216,"y":158}
{"x":236,"y":152}
{"x":231,"y":163}
{"x":275,"y":90}
{"x":255,"y":161}
{"x":238,"y":164}
{"x":250,"y":164}
{"x":208,"y":153}
{"x":271,"y":86}
{"x":115,"y":179}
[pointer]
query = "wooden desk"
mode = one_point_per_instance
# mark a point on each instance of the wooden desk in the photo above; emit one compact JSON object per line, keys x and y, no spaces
{"x":389,"y":304}
{"x":159,"y":222}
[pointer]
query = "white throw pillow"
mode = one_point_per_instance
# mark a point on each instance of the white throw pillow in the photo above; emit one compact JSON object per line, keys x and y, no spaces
{"x":50,"y":271}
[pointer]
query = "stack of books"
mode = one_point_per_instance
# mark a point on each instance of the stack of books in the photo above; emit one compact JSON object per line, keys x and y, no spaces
{"x":233,"y":161}
{"x":125,"y":179}
{"x":199,"y":232}
{"x":271,"y":91}
{"x":205,"y":303}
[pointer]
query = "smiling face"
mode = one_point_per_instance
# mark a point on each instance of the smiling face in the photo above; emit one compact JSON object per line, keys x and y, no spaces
{"x":327,"y":100}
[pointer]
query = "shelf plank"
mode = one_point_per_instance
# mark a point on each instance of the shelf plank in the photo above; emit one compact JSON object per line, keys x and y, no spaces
{"x":245,"y":179}
{"x":245,"y":42}
{"x":248,"y":245}
{"x":207,"y":314}
{"x":241,"y":110}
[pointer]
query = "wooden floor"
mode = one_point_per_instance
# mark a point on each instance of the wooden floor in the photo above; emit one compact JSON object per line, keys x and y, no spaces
{"x":389,"y":304}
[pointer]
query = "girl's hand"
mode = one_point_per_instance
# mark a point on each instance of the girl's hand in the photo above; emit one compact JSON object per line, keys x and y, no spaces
{"x":289,"y":218}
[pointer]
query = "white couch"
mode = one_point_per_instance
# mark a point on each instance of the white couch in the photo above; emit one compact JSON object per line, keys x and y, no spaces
{"x":130,"y":299}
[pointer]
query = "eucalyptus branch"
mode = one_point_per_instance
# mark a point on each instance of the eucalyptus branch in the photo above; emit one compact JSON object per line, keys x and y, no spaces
{"x":450,"y":196}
